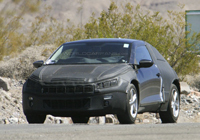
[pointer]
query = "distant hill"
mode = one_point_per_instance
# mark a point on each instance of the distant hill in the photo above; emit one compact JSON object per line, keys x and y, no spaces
{"x":68,"y":9}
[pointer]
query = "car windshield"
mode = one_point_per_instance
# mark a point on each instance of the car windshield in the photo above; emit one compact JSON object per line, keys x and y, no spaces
{"x":91,"y":53}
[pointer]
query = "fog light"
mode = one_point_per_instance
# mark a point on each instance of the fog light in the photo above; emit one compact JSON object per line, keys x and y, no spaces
{"x":30,"y":101}
{"x":107,"y":97}
{"x":30,"y":98}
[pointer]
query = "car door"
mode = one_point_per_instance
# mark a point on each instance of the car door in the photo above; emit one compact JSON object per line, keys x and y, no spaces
{"x":150,"y":80}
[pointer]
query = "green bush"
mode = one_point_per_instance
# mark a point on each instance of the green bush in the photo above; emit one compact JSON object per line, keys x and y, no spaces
{"x":167,"y":35}
{"x":124,"y":21}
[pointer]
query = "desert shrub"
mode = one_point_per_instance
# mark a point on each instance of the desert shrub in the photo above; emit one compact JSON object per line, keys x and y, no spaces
{"x":12,"y":40}
{"x":167,"y":35}
{"x":21,"y":67}
{"x":124,"y":21}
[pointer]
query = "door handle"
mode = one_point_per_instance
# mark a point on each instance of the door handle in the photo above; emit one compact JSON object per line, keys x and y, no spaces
{"x":158,"y":74}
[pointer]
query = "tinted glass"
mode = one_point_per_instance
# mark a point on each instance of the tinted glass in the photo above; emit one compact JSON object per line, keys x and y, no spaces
{"x":142,"y":53}
{"x":98,"y":52}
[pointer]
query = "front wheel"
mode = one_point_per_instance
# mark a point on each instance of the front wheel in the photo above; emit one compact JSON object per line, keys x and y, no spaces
{"x":130,"y":114}
{"x":172,"y":113}
{"x":32,"y":118}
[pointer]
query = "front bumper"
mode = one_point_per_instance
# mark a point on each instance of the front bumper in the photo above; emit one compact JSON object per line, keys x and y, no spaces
{"x":106,"y":101}
{"x":87,"y":105}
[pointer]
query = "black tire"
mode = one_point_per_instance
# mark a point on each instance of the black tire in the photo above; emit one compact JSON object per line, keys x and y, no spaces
{"x":35,"y":118}
{"x":130,"y":114}
{"x":172,"y":113}
{"x":80,"y":119}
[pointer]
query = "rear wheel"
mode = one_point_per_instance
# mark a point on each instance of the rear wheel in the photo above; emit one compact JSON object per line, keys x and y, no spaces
{"x":172,"y":113}
{"x":80,"y":119}
{"x":32,"y":118}
{"x":130,"y":114}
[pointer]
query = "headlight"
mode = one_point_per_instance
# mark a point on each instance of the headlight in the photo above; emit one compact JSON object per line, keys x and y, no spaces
{"x":107,"y":84}
{"x":113,"y":82}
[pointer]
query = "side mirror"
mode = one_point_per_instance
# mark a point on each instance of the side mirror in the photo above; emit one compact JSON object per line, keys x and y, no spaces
{"x":38,"y":64}
{"x":144,"y":63}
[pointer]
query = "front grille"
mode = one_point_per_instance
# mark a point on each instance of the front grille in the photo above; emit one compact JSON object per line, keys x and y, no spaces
{"x":67,"y":104}
{"x":68,"y":89}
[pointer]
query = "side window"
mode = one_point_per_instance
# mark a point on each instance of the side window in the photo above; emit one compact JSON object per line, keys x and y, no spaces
{"x":142,"y":53}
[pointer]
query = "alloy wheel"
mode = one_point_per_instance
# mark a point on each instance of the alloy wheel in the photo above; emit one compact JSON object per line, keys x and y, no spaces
{"x":175,"y":104}
{"x":133,"y":103}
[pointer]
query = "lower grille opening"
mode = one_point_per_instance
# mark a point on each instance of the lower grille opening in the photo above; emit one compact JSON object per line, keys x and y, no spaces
{"x":67,"y":104}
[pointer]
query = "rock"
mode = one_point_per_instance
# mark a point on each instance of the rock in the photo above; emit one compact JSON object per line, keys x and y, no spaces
{"x":189,"y":112}
{"x":195,"y":112}
{"x":111,"y":119}
{"x":5,"y":94}
{"x":197,"y":108}
{"x":22,"y":121}
{"x":102,"y":120}
{"x":195,"y":93}
{"x":146,"y":121}
{"x":157,"y":116}
{"x":156,"y":121}
{"x":189,"y":100}
{"x":185,"y":101}
{"x":97,"y":120}
{"x":5,"y":83}
{"x":58,"y":120}
{"x":13,"y":120}
{"x":94,"y":120}
{"x":195,"y":99}
{"x":5,"y":121}
{"x":49,"y":119}
{"x":3,"y":108}
{"x":1,"y":121}
{"x":185,"y":88}
{"x":138,"y":120}
{"x":67,"y":120}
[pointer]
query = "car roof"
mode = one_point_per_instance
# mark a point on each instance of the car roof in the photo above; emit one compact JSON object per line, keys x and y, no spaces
{"x":105,"y":40}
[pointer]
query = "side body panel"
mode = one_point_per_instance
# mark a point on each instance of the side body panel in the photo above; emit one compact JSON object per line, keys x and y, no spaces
{"x":149,"y":85}
{"x":167,"y":73}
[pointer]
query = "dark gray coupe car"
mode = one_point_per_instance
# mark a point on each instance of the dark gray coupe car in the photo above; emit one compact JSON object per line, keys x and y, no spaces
{"x":96,"y":77}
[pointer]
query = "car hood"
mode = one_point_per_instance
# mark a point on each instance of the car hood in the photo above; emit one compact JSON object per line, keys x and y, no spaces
{"x":78,"y":73}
